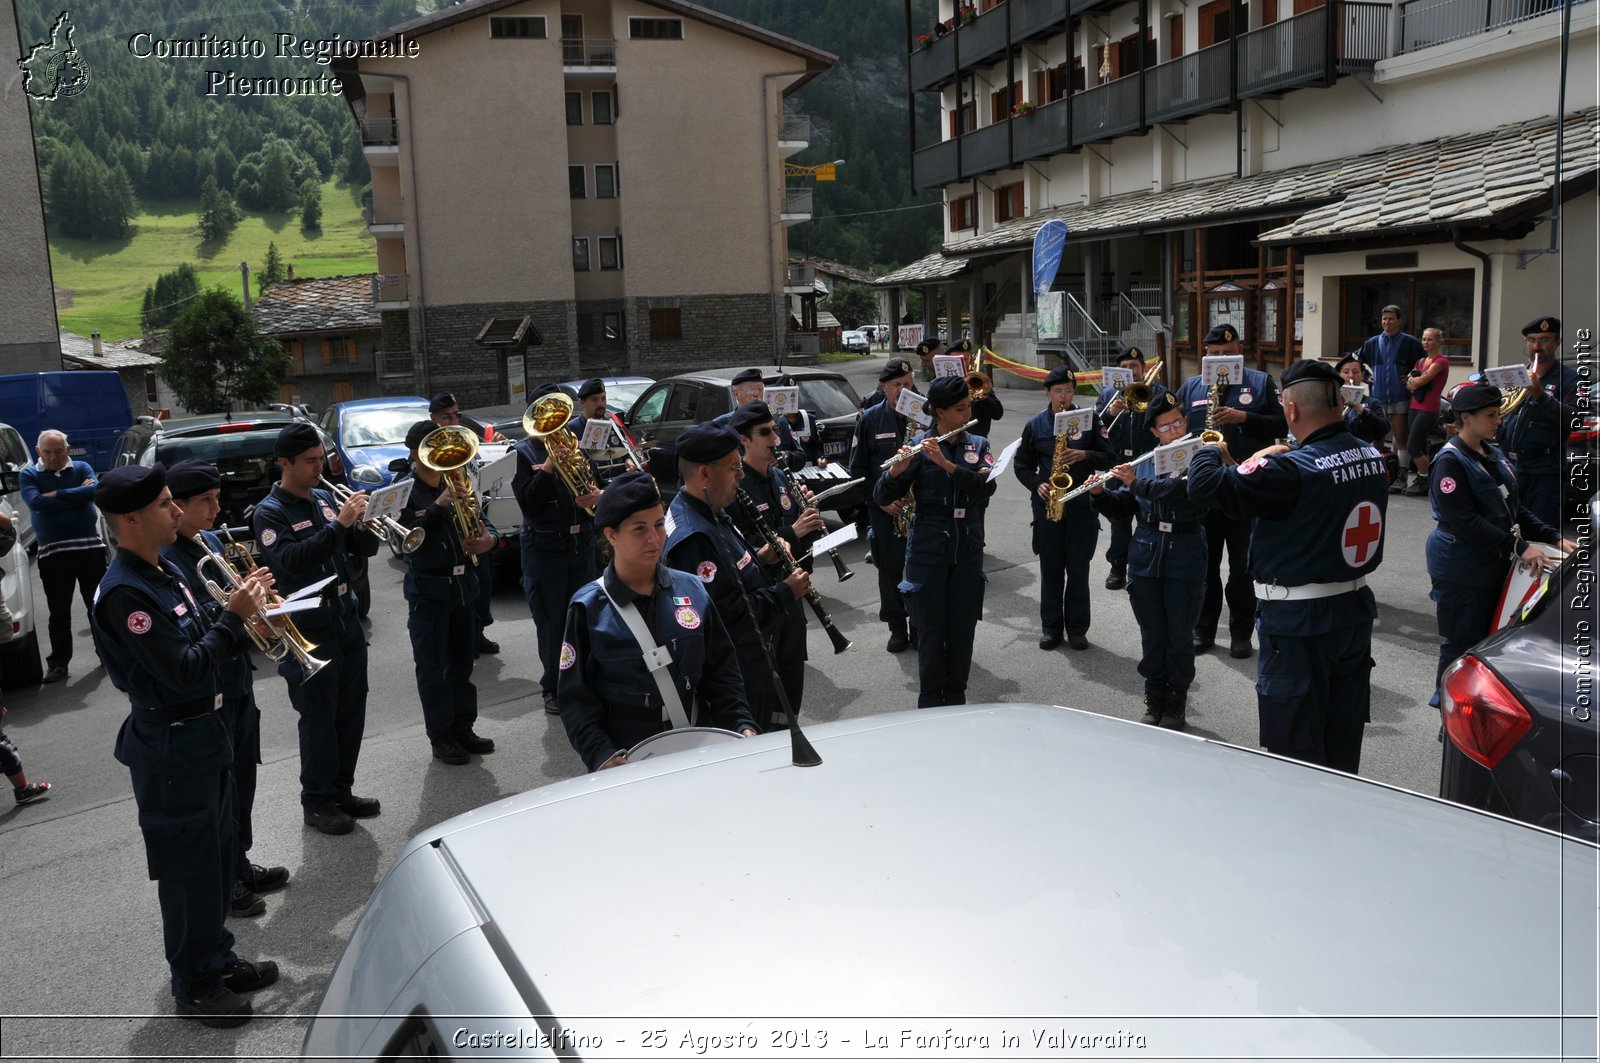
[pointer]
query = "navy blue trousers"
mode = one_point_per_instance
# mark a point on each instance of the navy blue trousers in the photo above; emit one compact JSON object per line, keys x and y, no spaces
{"x":1166,"y":611}
{"x":1314,"y":695}
{"x":1541,"y":494}
{"x":548,"y":583}
{"x":1465,"y":615}
{"x":243,"y":720}
{"x":1225,"y":534}
{"x":442,"y":638}
{"x":483,"y":614}
{"x":333,"y":716}
{"x":1065,"y":549}
{"x":1121,"y":536}
{"x":889,"y":559}
{"x":945,"y":606}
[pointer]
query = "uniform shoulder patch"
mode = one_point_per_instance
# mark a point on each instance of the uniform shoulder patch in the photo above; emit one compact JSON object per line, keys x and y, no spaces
{"x":707,"y":571}
{"x":139,"y":622}
{"x":688,"y":619}
{"x":1250,"y":465}
{"x":1447,"y":485}
{"x":569,"y":656}
{"x":268,"y":536}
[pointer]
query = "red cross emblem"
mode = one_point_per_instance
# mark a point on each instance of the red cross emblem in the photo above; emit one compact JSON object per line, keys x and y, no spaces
{"x":139,"y":622}
{"x":1363,"y":530}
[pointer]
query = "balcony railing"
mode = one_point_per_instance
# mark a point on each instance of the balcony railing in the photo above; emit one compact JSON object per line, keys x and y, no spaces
{"x":935,"y":165}
{"x":588,"y":51}
{"x":986,"y":150}
{"x":385,"y":210}
{"x":1105,"y":111}
{"x":1041,"y":132}
{"x":390,"y":288}
{"x":800,"y":276}
{"x":380,"y":133}
{"x":797,"y":201}
{"x":934,"y":63}
{"x":313,"y":364}
{"x":796,"y":129}
{"x":1190,"y":85}
{"x":1424,"y":23}
{"x":1030,"y":18}
{"x":1363,"y":35}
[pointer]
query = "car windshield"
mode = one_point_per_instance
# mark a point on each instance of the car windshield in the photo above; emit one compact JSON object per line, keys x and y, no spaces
{"x":378,"y":428}
{"x":828,"y":397}
{"x":222,"y":449}
{"x":622,"y":396}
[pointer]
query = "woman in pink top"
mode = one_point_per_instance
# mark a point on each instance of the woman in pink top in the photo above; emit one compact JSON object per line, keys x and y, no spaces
{"x":1426,"y":384}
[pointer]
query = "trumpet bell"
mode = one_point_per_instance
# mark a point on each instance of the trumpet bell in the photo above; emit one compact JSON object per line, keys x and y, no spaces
{"x":1511,"y":400}
{"x":1137,"y":396}
{"x":549,"y":413}
{"x":979,"y":386}
{"x":447,"y":449}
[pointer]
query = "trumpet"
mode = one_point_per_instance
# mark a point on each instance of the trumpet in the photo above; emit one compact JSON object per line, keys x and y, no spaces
{"x":410,"y":538}
{"x":905,"y":453}
{"x":448,"y":451}
{"x":276,"y":637}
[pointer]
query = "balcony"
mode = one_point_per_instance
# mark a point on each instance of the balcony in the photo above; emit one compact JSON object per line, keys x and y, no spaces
{"x":1042,"y":132}
{"x":795,"y":136}
{"x":385,"y":214}
{"x":1296,"y":52}
{"x":1192,"y":85}
{"x":597,"y":55}
{"x":934,"y":64}
{"x":1424,"y":23}
{"x":390,"y":291}
{"x":380,"y":133}
{"x":797,"y":204}
{"x":1037,"y":18}
{"x":935,"y":165}
{"x":1106,"y":111}
{"x":986,"y":150}
{"x":800,"y":280}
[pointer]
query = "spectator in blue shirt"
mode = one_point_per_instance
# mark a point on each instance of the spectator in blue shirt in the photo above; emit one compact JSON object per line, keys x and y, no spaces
{"x":60,"y":493}
{"x":1390,"y":355}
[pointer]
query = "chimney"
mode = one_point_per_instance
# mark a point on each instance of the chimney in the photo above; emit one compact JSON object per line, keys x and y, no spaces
{"x":290,"y":272}
{"x":99,"y":349}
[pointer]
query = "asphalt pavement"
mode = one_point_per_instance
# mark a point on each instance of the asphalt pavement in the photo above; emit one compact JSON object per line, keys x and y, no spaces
{"x":83,"y":973}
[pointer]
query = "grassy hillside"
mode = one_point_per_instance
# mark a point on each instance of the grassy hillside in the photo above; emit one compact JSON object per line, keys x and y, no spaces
{"x":106,"y":279}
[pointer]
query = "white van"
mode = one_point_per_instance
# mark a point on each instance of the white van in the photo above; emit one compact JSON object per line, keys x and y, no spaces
{"x":20,"y":666}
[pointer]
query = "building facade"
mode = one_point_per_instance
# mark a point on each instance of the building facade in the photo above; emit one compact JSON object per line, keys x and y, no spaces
{"x":28,"y":329}
{"x":1289,"y":166}
{"x":331,"y":331}
{"x":601,"y":179}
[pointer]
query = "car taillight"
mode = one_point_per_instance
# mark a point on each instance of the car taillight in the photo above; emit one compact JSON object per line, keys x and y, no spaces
{"x":239,"y":427}
{"x":1482,"y":717}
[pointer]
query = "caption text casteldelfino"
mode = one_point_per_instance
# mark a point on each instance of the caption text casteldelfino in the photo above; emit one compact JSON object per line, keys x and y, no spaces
{"x":321,"y":51}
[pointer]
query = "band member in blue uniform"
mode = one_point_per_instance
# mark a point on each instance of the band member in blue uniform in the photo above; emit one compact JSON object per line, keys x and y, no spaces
{"x":880,"y":433}
{"x":610,"y":695}
{"x":1166,"y":567}
{"x":1485,"y":526}
{"x":445,"y":412}
{"x":1125,"y":436}
{"x":304,"y":539}
{"x":1534,"y":434}
{"x":613,"y":460}
{"x":944,"y":579}
{"x":988,"y":409}
{"x":557,"y":544}
{"x":1318,"y":515}
{"x":441,"y":589}
{"x":1066,"y":546}
{"x":1250,"y":419}
{"x":778,"y":504}
{"x":196,"y":488}
{"x":1366,"y":420}
{"x":158,"y":649}
{"x":748,"y":385}
{"x":703,"y":541}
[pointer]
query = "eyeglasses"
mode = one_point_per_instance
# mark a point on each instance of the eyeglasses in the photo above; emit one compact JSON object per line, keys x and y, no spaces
{"x":767,"y":431}
{"x":449,"y":415}
{"x":1167,"y":429}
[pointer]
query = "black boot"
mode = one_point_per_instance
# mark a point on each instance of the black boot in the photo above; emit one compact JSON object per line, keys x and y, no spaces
{"x":1177,"y":703}
{"x":1118,"y":578}
{"x":899,"y":640}
{"x":1154,"y":706}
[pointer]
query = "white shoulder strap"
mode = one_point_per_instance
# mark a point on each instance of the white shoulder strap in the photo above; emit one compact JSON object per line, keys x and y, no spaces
{"x":656,"y":658}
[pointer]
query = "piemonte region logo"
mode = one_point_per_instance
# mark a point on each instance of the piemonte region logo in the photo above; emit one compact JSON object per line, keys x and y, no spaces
{"x":54,"y":68}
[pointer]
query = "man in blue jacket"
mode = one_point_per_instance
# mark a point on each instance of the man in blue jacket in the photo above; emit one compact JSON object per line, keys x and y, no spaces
{"x":60,"y":493}
{"x":1390,"y":355}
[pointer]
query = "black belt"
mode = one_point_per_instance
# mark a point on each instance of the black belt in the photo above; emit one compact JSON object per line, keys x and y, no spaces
{"x":1532,"y":452}
{"x":183,"y":712}
{"x":1173,"y":527}
{"x":445,"y":570}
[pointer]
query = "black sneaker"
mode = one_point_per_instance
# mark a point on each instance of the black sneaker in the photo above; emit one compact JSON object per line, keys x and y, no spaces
{"x":244,"y":903}
{"x":258,"y":879}
{"x":449,"y":750}
{"x":1239,"y":649}
{"x":486,"y":646}
{"x":899,"y":640}
{"x":242,"y":976}
{"x":56,"y":674}
{"x":329,"y":820}
{"x":1078,"y":642}
{"x":220,"y":1008}
{"x":473,"y":742}
{"x":1202,"y":643}
{"x":34,"y":791}
{"x":1049,"y":641}
{"x":1118,"y":578}
{"x":360,"y":807}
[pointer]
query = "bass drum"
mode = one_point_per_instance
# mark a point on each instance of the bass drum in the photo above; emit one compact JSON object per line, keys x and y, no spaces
{"x":680,"y":739}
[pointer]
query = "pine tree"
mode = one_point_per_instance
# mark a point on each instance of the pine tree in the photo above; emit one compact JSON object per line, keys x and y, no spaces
{"x":271,"y":271}
{"x":217,"y":213}
{"x":311,"y":208}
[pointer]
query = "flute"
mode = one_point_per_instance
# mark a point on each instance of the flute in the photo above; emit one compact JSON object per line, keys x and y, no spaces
{"x":1102,"y":477}
{"x":905,"y":453}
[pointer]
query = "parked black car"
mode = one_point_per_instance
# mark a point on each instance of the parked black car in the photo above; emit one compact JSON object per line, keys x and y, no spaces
{"x":1519,"y":711}
{"x":240,"y":446}
{"x":669,"y":406}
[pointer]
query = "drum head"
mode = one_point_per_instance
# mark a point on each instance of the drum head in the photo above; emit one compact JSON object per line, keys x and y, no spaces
{"x":680,"y":739}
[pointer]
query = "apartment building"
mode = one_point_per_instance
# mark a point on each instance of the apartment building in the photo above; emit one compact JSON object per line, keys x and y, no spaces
{"x":567,"y":187}
{"x":28,"y":331}
{"x":1289,"y":166}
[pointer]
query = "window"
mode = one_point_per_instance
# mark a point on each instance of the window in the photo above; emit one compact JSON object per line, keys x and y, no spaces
{"x":576,"y":187}
{"x":687,"y":400}
{"x":666,"y":323}
{"x":297,"y":355}
{"x":600,"y":108}
{"x":524,"y":28}
{"x":610,"y":252}
{"x":655,"y":29}
{"x":653,"y":406}
{"x":342,"y":391}
{"x":964,"y":213}
{"x":574,"y":108}
{"x":152,"y":394}
{"x":1008,"y":202}
{"x":605,"y":180}
{"x":611,"y":321}
{"x":580,"y":253}
{"x":1444,"y":298}
{"x":964,"y":119}
{"x":1050,"y":85}
{"x":1003,"y":100}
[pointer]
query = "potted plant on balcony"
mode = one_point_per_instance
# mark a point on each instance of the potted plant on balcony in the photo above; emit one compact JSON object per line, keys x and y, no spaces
{"x":924,"y":40}
{"x":1023,"y":107}
{"x":968,"y":14}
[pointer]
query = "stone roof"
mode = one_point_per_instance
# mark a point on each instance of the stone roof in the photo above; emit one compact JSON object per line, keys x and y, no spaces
{"x":317,"y":304}
{"x":124,"y":354}
{"x":837,"y":269}
{"x":935,"y":267}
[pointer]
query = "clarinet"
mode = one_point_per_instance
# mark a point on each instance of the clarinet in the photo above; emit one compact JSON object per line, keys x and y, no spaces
{"x":840,"y":643}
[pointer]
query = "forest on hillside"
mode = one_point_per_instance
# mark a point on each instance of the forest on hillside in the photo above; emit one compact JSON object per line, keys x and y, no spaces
{"x":146,"y":130}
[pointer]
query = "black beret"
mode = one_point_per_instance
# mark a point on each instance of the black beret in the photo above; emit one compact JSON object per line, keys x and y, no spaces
{"x":551,"y":389}
{"x":417,"y":433}
{"x":893,"y":369}
{"x":129,"y":488}
{"x":625,"y":496}
{"x":928,"y":346}
{"x":296,"y":439}
{"x":1059,"y":375}
{"x":1310,"y":369}
{"x":1475,"y":397}
{"x":193,"y":477}
{"x":1219,"y":335}
{"x":591,"y":387}
{"x":1347,"y":359}
{"x":1162,"y":403}
{"x":961,"y":346}
{"x":946,"y":391}
{"x":441,"y":402}
{"x":747,"y":376}
{"x":749,"y":416}
{"x":1543,"y":324}
{"x":1130,"y":352}
{"x":701,"y":444}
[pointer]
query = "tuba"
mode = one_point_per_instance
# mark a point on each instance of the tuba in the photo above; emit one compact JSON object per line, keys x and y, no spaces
{"x":1060,"y":481}
{"x":284,"y":638}
{"x":448,"y":451}
{"x":546,"y":421}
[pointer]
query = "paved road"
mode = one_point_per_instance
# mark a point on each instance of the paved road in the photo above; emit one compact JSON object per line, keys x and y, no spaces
{"x":81,"y":927}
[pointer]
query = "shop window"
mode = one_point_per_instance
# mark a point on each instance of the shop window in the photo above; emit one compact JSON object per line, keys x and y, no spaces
{"x":1443,"y":299}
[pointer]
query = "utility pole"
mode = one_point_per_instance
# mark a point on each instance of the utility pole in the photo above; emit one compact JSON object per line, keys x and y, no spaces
{"x":244,"y":276}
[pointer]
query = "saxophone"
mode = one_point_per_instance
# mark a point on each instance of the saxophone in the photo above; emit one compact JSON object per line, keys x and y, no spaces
{"x":908,"y":509}
{"x":1212,"y":435}
{"x":1060,"y":481}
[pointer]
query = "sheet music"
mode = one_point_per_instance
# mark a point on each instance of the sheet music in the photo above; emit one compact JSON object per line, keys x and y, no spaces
{"x":596,"y":435}
{"x":1506,"y":377}
{"x":833,"y":540}
{"x":309,"y":589}
{"x":389,"y":501}
{"x":909,"y":404}
{"x":1074,"y":423}
{"x":1210,"y":363}
{"x":1173,"y":458}
{"x":949,"y":365}
{"x":1005,"y":460}
{"x":1116,"y":376}
{"x":293,"y":605}
{"x":783,"y":401}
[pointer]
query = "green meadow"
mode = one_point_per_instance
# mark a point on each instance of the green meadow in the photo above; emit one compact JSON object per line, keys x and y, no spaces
{"x":104,"y":280}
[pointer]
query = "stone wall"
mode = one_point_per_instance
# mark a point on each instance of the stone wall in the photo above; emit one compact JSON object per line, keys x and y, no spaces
{"x":718,"y":330}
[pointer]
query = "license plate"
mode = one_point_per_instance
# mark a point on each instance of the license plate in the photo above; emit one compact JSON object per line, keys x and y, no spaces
{"x":833,"y":448}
